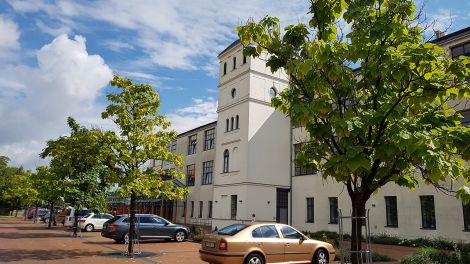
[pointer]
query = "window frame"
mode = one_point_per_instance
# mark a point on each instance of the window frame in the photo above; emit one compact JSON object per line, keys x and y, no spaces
{"x":234,"y":63}
{"x":391,"y":211}
{"x":310,"y":210}
{"x":334,"y":215}
{"x":192,"y":144}
{"x":301,"y":170}
{"x":425,"y":215}
{"x":209,"y":209}
{"x":192,"y":209}
{"x":209,"y":139}
{"x":201,"y":209}
{"x":191,"y":175}
{"x":225,"y":68}
{"x":207,"y":172}
{"x":233,"y":207}
{"x":226,"y":164}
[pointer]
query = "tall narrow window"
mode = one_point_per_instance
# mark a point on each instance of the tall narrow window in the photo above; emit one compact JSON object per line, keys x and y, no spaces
{"x":428,"y":215}
{"x":190,"y":174}
{"x":391,"y":211}
{"x":300,"y":170}
{"x":192,"y":209}
{"x":226,"y":160}
{"x":207,"y":171}
{"x":466,"y":217}
{"x":310,"y":210}
{"x":234,"y":63}
{"x":226,"y":125}
{"x":200,"y":209}
{"x":209,"y":213}
{"x":209,"y":139}
{"x":233,"y":207}
{"x":333,"y":210}
{"x":184,"y":210}
{"x":231,"y":123}
{"x":192,"y":142}
{"x":244,"y":59}
{"x":225,"y":68}
{"x":237,"y":119}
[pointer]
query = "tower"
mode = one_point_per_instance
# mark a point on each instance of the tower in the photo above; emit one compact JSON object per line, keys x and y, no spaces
{"x":252,"y":163}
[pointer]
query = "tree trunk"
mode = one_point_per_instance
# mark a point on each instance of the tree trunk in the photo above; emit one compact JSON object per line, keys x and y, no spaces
{"x":132,"y":232}
{"x":75,"y":222}
{"x":51,"y":214}
{"x":358,"y":214}
{"x":16,"y":213}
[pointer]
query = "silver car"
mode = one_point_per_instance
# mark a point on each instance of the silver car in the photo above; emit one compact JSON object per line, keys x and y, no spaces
{"x":148,"y":227}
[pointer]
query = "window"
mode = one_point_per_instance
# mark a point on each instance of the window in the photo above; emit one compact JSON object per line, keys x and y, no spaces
{"x":310,"y":210}
{"x":233,"y":207}
{"x":244,"y":59}
{"x":268,"y":231}
{"x":333,"y":210}
{"x":226,"y":159}
{"x":200,"y":209}
{"x":272,"y":92}
{"x":209,"y":213}
{"x":461,"y":50}
{"x":237,"y":119}
{"x":231,"y":123}
{"x":207,"y":170}
{"x":190,"y":174}
{"x":234,"y":63}
{"x":391,"y":211}
{"x":428,"y":215}
{"x":184,"y":209}
{"x":172,"y":146}
{"x":299,"y":170}
{"x":466,"y":118}
{"x":226,"y":125}
{"x":192,"y":208}
{"x":233,"y":92}
{"x":290,"y":233}
{"x":192,"y":142}
{"x":466,"y":217}
{"x":209,"y":139}
{"x":225,"y":68}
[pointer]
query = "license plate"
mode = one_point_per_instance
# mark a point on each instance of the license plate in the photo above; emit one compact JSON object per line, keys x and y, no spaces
{"x":210,"y":244}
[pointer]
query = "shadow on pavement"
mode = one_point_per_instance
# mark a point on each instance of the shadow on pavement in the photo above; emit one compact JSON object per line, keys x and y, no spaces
{"x":25,"y":254}
{"x":32,"y":235}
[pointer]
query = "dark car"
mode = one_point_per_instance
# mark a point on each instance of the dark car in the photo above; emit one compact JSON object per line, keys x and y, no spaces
{"x":148,"y":227}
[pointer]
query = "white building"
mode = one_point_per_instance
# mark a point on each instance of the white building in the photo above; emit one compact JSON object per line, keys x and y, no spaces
{"x":242,"y":165}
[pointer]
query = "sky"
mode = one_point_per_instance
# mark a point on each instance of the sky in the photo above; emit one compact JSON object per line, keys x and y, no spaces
{"x":58,"y":57}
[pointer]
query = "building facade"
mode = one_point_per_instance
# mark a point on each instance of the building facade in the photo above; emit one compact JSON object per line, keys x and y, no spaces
{"x":241,"y":167}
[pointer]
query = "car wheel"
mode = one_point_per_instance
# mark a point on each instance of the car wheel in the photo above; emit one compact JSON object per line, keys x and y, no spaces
{"x":180,"y":236}
{"x":89,"y":228}
{"x":320,"y":257}
{"x":254,"y":258}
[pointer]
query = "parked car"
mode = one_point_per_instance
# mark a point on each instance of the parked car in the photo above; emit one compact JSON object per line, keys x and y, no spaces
{"x":263,"y":243}
{"x":61,"y":214}
{"x":93,"y":221}
{"x":148,"y":227}
{"x":69,"y":220}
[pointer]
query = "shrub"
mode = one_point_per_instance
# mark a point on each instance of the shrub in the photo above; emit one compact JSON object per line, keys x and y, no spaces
{"x":434,"y":256}
{"x":197,"y":233}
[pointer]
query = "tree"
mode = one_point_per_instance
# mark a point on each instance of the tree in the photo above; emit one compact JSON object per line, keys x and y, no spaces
{"x":143,"y":136}
{"x":75,"y":159}
{"x":391,"y":120}
{"x":50,"y":188}
{"x":20,"y":190}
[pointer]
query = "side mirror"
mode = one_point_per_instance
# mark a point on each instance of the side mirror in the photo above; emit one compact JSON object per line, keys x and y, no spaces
{"x":302,"y":239}
{"x":166,"y":223}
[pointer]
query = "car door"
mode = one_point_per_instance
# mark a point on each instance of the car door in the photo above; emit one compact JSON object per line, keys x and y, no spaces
{"x":268,"y":240}
{"x":294,"y":247}
{"x":161,"y":229}
{"x":146,"y":227}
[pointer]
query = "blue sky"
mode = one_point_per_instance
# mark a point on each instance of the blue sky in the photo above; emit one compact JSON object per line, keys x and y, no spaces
{"x":58,"y":56}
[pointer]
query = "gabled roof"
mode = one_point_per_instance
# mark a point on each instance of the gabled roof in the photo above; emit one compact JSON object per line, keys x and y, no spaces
{"x":448,"y":37}
{"x":236,"y":42}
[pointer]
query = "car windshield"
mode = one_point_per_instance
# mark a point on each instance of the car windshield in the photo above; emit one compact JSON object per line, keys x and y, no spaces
{"x":87,"y":215}
{"x":114,"y":219}
{"x":231,"y":229}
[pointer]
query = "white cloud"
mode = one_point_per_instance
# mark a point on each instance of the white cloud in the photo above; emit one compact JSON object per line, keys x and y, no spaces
{"x":37,"y":100}
{"x":117,"y":46}
{"x":201,"y":112}
{"x":9,"y":35}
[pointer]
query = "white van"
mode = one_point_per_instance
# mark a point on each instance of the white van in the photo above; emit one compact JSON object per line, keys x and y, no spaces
{"x":70,"y":217}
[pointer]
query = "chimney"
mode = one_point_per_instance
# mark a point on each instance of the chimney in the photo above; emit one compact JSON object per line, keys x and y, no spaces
{"x":439,"y":34}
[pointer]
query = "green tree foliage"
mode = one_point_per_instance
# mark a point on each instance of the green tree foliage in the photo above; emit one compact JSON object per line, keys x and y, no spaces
{"x":143,"y":136}
{"x":389,"y":121}
{"x":74,"y":160}
{"x":18,"y":190}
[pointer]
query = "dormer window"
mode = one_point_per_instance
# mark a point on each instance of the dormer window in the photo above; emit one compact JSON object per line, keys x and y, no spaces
{"x":234,"y":63}
{"x":225,"y":68}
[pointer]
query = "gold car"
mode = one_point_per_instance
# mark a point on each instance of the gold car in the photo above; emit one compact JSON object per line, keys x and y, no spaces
{"x":263,"y":243}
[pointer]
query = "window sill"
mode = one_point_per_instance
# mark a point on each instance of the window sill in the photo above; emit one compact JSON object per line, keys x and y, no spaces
{"x":331,"y":223}
{"x":309,"y":222}
{"x":428,"y":228}
{"x":391,"y":226}
{"x":228,"y":172}
{"x":204,"y":184}
{"x":466,"y":230}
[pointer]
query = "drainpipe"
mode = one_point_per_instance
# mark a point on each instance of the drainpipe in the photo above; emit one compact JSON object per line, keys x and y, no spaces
{"x":290,"y":173}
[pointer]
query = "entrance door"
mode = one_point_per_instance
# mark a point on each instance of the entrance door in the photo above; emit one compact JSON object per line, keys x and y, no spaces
{"x":282,"y":206}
